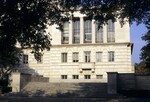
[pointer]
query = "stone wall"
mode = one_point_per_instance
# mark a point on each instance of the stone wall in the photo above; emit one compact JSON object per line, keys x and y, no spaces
{"x":143,"y":82}
{"x":127,"y":82}
{"x":20,"y":80}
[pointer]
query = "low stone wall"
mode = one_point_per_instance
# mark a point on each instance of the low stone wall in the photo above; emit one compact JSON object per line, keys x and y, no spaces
{"x":20,"y":80}
{"x":143,"y":82}
{"x":127,"y":81}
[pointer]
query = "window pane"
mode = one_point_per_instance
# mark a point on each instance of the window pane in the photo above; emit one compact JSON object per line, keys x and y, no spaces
{"x":25,"y":59}
{"x":75,"y":57}
{"x":99,"y":33}
{"x":111,"y":56}
{"x":65,"y":32}
{"x":75,"y":76}
{"x":98,"y":56}
{"x":63,"y":76}
{"x":87,"y":76}
{"x":40,"y":59}
{"x":64,"y":57}
{"x":87,"y":56}
{"x":87,"y":31}
{"x":110,"y":31}
{"x":76,"y":31}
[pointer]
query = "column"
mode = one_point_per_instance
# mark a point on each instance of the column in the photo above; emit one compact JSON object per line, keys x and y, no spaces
{"x":93,"y":31}
{"x":70,"y":31}
{"x":81,"y":30}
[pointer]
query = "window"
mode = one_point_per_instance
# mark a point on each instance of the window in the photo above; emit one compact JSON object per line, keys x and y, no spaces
{"x":75,"y":57}
{"x":88,"y":31}
{"x":87,"y":76}
{"x":76,"y":31}
{"x":65,"y":38}
{"x":110,"y":31}
{"x":64,"y":57}
{"x":98,"y":56}
{"x":87,"y":56}
{"x":75,"y":76}
{"x":111,"y":56}
{"x":99,"y":76}
{"x":63,"y":76}
{"x":40,"y":59}
{"x":25,"y":59}
{"x":99,"y":33}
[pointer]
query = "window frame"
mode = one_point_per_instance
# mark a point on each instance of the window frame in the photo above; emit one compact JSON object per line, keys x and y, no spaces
{"x":99,"y":33}
{"x":75,"y":57}
{"x":64,"y":77}
{"x":76,"y":31}
{"x":64,"y":58}
{"x":65,"y":32}
{"x":87,"y":56}
{"x":87,"y":30}
{"x":87,"y":76}
{"x":110,"y":31}
{"x":75,"y":76}
{"x":99,"y":58}
{"x":25,"y":59}
{"x":111,"y":56}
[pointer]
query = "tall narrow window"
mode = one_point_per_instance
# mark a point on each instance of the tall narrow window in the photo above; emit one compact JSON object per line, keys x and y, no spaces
{"x":40,"y":59}
{"x":110,"y":31}
{"x":65,"y":38}
{"x":87,"y":56}
{"x":99,"y":33}
{"x":64,"y":57}
{"x":25,"y":59}
{"x":111,"y":56}
{"x":98,"y":56}
{"x":76,"y":31}
{"x":75,"y":57}
{"x":88,"y":31}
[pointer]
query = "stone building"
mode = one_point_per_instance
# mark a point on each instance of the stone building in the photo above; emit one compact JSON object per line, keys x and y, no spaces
{"x":83,"y":52}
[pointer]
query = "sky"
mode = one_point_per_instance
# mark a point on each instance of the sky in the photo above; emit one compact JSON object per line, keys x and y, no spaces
{"x":136,"y":33}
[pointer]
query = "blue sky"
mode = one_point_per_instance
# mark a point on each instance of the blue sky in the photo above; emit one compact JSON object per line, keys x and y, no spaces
{"x":136,"y":33}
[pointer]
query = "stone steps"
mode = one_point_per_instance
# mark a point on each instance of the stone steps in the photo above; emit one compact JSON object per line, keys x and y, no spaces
{"x":65,"y":89}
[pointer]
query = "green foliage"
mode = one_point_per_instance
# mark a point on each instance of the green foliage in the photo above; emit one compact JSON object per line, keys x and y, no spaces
{"x":140,"y":68}
{"x":124,"y":10}
{"x":145,"y":51}
{"x":24,"y":22}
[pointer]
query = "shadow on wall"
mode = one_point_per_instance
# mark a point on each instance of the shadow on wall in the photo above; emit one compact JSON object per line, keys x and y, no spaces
{"x":27,"y":75}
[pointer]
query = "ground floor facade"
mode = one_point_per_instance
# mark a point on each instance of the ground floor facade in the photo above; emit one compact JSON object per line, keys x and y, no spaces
{"x":80,"y":63}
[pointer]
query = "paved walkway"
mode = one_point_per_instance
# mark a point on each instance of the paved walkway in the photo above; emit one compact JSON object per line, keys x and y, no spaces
{"x":48,"y":99}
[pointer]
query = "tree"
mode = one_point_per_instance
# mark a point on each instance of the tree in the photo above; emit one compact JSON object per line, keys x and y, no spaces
{"x":140,"y":68}
{"x":124,"y":10}
{"x":145,"y":51}
{"x":24,"y":22}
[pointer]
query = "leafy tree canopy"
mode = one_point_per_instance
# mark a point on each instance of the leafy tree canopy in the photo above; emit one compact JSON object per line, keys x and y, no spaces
{"x":145,"y":51}
{"x":125,"y":10}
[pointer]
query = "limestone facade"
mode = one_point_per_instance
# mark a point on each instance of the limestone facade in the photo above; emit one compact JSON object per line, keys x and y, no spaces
{"x":83,"y":61}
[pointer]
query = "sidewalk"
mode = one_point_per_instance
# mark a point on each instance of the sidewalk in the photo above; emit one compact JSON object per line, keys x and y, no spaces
{"x":49,"y":99}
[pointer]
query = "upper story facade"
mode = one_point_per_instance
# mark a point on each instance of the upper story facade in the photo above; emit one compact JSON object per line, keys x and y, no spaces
{"x":83,"y":30}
